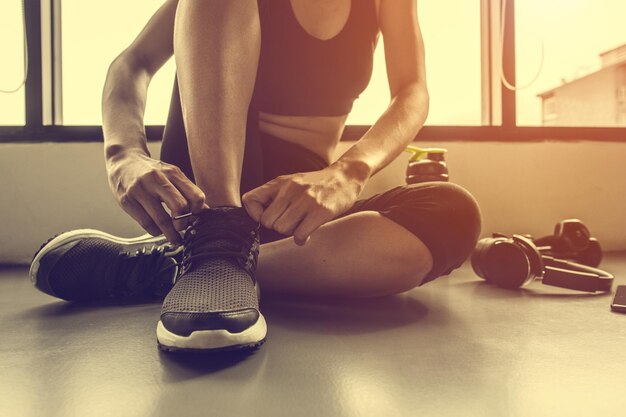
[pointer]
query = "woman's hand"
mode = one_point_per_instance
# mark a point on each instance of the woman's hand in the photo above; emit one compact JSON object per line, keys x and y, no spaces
{"x":298,"y":204}
{"x":140,"y":184}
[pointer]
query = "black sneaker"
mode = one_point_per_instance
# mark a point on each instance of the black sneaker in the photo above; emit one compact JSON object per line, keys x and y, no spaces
{"x":214,"y":304}
{"x":88,"y":264}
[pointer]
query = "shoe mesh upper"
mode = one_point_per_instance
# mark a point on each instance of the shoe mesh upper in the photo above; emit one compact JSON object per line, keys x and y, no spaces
{"x":216,"y":284}
{"x":96,"y":268}
{"x":76,"y":273}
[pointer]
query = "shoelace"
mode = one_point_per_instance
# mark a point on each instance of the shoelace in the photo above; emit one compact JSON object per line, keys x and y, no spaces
{"x":135,"y":273}
{"x":200,"y":244}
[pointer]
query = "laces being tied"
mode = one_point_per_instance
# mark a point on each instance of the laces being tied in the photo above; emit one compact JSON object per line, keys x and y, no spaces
{"x":221,"y":233}
{"x":214,"y":303}
{"x":142,"y":270}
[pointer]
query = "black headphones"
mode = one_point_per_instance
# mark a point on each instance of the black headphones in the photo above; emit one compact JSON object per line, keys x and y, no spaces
{"x":512,"y":262}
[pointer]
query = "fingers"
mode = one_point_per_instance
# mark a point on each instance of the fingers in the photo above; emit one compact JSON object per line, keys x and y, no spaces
{"x":159,"y":216}
{"x":143,"y":184}
{"x":253,"y":207}
{"x":275,"y":209}
{"x":145,"y":197}
{"x":179,"y":194}
{"x":306,"y":227}
{"x":255,"y":201}
{"x":172,"y":198}
{"x":165,"y":191}
{"x":190,"y":191}
{"x":136,"y":211}
{"x":289,"y":220}
{"x":280,"y":205}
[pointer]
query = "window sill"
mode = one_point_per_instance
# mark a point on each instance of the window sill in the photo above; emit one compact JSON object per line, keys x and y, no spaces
{"x":12,"y":134}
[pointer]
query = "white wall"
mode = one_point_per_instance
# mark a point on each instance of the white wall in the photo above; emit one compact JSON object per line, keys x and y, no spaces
{"x":49,"y":188}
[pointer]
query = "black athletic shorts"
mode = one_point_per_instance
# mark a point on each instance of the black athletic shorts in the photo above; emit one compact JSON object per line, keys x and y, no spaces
{"x":444,"y":216}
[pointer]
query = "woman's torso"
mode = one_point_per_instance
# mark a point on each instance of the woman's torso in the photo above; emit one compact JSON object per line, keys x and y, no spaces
{"x":318,"y":30}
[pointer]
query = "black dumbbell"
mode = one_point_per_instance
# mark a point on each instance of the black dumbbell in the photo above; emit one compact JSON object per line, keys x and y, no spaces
{"x":571,"y":240}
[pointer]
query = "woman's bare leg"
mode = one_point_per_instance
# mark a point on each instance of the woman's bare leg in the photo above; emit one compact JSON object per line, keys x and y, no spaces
{"x":216,"y":47}
{"x":359,"y":255}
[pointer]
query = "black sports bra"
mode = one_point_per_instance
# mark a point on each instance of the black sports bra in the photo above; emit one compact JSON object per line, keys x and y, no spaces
{"x":299,"y":74}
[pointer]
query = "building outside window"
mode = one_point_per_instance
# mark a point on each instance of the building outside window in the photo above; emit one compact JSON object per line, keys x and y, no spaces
{"x":583,"y":65}
{"x":594,"y":99}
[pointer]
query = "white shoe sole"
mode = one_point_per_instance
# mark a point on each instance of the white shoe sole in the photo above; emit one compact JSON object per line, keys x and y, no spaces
{"x":66,"y":237}
{"x":210,"y":340}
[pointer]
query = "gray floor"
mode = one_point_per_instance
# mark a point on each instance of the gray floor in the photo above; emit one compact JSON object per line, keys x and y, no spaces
{"x":454,"y":347}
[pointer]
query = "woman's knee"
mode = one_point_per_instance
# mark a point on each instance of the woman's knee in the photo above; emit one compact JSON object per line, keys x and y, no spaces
{"x":463,"y":209}
{"x":455,"y":221}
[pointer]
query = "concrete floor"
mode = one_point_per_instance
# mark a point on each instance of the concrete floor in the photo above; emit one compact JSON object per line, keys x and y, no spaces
{"x":457,"y":346}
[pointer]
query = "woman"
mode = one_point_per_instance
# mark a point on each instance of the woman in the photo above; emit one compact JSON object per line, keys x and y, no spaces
{"x":274,"y":79}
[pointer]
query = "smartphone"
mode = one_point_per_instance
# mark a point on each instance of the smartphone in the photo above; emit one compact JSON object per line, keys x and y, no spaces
{"x":619,"y":301}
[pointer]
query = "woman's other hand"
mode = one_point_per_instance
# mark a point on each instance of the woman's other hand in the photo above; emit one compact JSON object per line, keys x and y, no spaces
{"x":298,"y":204}
{"x":141,"y":184}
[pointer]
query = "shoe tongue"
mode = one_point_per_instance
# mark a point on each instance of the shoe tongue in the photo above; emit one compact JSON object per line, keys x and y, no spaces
{"x":222,"y":244}
{"x":213,"y":212}
{"x":224,"y":217}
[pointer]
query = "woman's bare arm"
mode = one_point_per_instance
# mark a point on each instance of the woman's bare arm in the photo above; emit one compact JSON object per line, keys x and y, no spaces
{"x":406,"y":71}
{"x":140,"y":183}
{"x":126,"y":86}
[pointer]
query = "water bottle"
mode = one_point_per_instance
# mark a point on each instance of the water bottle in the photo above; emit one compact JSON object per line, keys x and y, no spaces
{"x":426,"y":164}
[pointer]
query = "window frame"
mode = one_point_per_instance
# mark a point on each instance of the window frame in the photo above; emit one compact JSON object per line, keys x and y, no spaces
{"x":43,"y":122}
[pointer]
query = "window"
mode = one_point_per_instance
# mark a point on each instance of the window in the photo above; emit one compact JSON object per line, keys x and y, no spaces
{"x":91,"y":44}
{"x":12,"y":111}
{"x":579,"y":92}
{"x":375,"y":99}
{"x":451,"y":31}
{"x":584,"y":61}
{"x":453,"y":65}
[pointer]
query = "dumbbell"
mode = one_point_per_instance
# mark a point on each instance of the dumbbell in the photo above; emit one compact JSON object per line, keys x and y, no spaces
{"x":426,"y":164}
{"x":571,"y":240}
